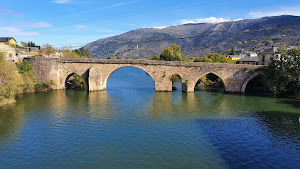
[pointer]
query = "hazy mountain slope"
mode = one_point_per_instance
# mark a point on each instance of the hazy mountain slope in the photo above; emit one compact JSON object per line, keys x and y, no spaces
{"x":216,"y":38}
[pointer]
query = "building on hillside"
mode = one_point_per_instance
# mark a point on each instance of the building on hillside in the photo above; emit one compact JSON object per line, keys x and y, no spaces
{"x":249,"y":58}
{"x":8,"y":51}
{"x":27,"y":51}
{"x":8,"y":40}
{"x":266,"y":56}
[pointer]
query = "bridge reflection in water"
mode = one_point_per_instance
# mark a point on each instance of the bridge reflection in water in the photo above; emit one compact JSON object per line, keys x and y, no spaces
{"x":132,"y":124}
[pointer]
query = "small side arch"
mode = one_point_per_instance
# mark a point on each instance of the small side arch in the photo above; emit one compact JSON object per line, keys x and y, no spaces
{"x":176,"y":80}
{"x":246,"y":81}
{"x":213,"y":73}
{"x":68,"y":75}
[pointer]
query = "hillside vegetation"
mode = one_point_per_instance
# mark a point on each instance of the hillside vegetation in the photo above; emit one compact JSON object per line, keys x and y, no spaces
{"x":212,"y":38}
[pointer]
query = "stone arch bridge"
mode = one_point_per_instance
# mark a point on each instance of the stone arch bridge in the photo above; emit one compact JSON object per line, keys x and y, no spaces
{"x":96,"y":72}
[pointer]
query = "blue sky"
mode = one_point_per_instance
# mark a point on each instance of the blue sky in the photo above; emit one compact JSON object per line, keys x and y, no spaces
{"x":75,"y":22}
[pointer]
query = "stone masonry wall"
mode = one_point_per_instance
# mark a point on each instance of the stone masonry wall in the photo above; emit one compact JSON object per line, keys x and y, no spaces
{"x":97,"y":71}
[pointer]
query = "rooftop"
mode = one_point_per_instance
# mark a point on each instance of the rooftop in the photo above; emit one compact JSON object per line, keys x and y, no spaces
{"x":5,"y":39}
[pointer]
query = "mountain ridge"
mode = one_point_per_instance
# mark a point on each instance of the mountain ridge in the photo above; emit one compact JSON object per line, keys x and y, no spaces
{"x":213,"y":37}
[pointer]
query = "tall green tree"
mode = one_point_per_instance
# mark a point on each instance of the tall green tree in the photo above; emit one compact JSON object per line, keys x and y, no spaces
{"x":283,"y":73}
{"x":232,"y":52}
{"x":86,"y":53}
{"x":10,"y":80}
{"x":171,"y":53}
{"x":78,"y":52}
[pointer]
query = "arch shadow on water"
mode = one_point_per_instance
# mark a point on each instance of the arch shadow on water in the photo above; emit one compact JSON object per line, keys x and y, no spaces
{"x":210,"y":82}
{"x":176,"y":83}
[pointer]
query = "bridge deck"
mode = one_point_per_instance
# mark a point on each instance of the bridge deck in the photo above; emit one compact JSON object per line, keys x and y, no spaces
{"x":148,"y":62}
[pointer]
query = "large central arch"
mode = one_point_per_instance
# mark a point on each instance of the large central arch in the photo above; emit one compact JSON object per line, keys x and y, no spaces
{"x":122,"y":67}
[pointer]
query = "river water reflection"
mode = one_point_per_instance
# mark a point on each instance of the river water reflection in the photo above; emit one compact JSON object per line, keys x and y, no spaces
{"x":131,"y":126}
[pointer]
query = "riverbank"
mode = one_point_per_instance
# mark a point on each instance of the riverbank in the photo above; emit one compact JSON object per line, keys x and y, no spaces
{"x":4,"y":101}
{"x":18,"y":78}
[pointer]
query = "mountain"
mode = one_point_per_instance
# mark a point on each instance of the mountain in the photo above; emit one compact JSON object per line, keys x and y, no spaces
{"x":221,"y":37}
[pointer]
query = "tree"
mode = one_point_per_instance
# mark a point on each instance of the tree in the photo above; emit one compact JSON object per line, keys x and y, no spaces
{"x":29,"y":44}
{"x":231,"y":52}
{"x":283,"y":73}
{"x":155,"y":57}
{"x":10,"y":81}
{"x":78,"y":52}
{"x":47,"y":50}
{"x":70,"y":54}
{"x":171,"y":53}
{"x":86,"y":53}
{"x":112,"y":57}
{"x":24,"y":44}
{"x":213,"y":58}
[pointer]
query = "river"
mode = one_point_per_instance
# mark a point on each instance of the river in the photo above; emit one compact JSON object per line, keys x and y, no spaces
{"x":131,"y":126}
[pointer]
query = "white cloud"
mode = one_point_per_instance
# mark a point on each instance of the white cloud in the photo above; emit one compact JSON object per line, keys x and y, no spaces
{"x":81,"y":26}
{"x":285,"y":11}
{"x":11,"y":31}
{"x":7,"y":11}
{"x":62,"y":1}
{"x":238,"y":20}
{"x":36,"y":25}
{"x":204,"y":20}
{"x":160,"y":27}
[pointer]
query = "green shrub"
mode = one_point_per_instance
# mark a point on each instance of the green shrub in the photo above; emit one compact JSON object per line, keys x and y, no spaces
{"x":43,"y":85}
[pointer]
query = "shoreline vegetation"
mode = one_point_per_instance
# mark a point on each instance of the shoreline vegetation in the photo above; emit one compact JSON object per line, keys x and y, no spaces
{"x":16,"y":79}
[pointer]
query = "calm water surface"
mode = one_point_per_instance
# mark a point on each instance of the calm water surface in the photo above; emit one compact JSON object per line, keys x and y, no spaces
{"x":131,"y":126}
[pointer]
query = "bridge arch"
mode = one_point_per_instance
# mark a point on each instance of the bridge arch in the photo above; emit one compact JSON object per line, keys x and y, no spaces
{"x":250,"y":77}
{"x":126,"y":66}
{"x":214,"y":73}
{"x":174,"y":78}
{"x":69,"y":75}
